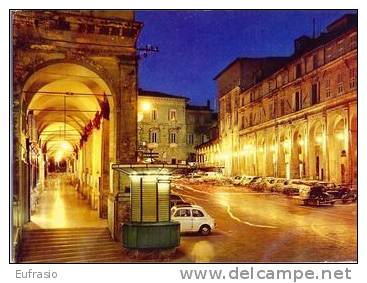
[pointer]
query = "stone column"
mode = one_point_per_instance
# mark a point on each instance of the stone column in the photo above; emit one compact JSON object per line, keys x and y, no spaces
{"x":105,"y":168}
{"x":126,"y":143}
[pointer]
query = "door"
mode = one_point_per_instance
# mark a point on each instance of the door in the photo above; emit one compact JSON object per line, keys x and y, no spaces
{"x":198,"y":219}
{"x":183,"y":216}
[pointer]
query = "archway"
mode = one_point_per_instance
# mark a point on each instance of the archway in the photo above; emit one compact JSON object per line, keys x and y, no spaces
{"x":271,"y":155}
{"x":316,"y":143}
{"x":298,"y":155}
{"x":284,"y":156}
{"x":338,"y":147}
{"x":67,"y":115}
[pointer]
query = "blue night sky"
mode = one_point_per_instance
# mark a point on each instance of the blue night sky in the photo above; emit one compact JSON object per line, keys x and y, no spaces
{"x":194,"y":46}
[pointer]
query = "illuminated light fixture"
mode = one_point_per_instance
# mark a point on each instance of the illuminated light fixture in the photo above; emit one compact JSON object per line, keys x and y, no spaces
{"x":145,"y":106}
{"x":273,"y":148}
{"x":64,"y":145}
{"x":286,"y":143}
{"x":319,"y":139}
{"x":339,"y":136}
{"x":59,"y":156}
{"x":301,"y":142}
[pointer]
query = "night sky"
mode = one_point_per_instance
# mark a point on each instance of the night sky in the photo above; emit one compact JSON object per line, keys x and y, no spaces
{"x":194,"y":46}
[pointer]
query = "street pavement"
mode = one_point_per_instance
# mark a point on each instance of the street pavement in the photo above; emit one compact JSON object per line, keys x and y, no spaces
{"x":267,"y":227}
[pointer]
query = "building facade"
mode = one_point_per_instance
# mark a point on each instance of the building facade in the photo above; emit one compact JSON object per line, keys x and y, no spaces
{"x":299,"y":121}
{"x":170,"y":127}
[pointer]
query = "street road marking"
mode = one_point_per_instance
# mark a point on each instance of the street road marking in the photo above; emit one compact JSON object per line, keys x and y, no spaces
{"x":246,"y":222}
{"x":192,"y":189}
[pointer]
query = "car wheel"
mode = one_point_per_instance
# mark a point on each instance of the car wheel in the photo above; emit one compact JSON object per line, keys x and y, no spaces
{"x":205,"y":230}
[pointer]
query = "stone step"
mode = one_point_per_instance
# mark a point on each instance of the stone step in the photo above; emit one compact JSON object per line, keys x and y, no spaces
{"x":84,"y":253}
{"x":70,"y":245}
{"x":66,"y":247}
{"x":57,"y":238}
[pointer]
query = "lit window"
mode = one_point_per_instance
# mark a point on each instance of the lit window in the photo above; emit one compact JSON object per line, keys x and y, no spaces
{"x":172,"y":115}
{"x":153,"y":137}
{"x":172,"y":138}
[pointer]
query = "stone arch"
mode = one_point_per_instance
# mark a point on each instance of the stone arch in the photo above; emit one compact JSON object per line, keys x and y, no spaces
{"x":298,"y":153}
{"x":316,"y":144}
{"x":271,"y":154}
{"x":30,"y":82}
{"x":338,"y":148}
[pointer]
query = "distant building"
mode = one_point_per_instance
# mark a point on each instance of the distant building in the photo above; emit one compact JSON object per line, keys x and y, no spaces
{"x":292,"y":117}
{"x":170,"y":127}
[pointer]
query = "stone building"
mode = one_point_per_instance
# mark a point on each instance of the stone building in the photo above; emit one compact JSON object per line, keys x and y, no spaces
{"x":296,"y":118}
{"x":170,"y":127}
{"x":74,"y":97}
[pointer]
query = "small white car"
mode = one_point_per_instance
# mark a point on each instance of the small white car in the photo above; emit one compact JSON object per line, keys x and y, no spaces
{"x":193,"y":218}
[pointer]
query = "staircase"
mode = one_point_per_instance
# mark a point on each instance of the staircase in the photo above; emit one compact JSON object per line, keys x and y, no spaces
{"x":70,"y":245}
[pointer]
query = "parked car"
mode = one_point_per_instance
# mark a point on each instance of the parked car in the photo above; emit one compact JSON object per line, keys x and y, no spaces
{"x":236,"y":180}
{"x":293,"y":186}
{"x":193,"y":218}
{"x":247,"y":180}
{"x":269,"y":183}
{"x":316,"y":195}
{"x":278,"y":185}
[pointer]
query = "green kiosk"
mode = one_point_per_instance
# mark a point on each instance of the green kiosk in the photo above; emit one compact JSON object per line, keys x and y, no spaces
{"x":150,"y":225}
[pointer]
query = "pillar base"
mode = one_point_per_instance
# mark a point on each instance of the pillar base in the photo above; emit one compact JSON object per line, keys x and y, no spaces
{"x":160,"y":235}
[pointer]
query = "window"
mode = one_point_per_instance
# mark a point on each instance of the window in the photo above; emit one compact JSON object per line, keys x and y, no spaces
{"x":297,"y":101}
{"x":154,"y":114}
{"x":298,"y":70}
{"x":315,"y":62}
{"x":340,"y":84}
{"x":153,"y":137}
{"x":190,"y":139}
{"x":172,"y":115}
{"x":183,"y":213}
{"x":252,"y":96}
{"x":243,"y":101}
{"x":315,"y":97}
{"x":271,"y":110}
{"x":352,"y":78}
{"x":197,"y":213}
{"x":327,"y":87}
{"x":172,"y":138}
{"x":282,"y":112}
{"x":250,"y":119}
